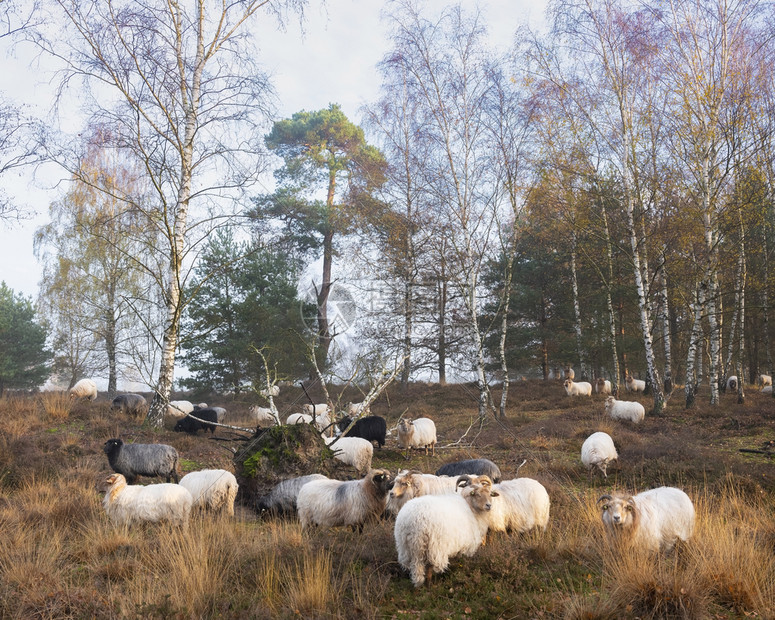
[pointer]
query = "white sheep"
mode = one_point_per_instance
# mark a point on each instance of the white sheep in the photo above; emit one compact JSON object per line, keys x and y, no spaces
{"x":628,"y":410}
{"x":412,"y":483}
{"x":320,"y":409}
{"x":764,"y":380}
{"x":732,"y":383}
{"x":177,"y":410}
{"x":523,"y":504}
{"x":598,"y":450}
{"x":261,"y":416}
{"x":632,"y":384}
{"x":603,"y":386}
{"x":431,"y":529}
{"x":212,"y":489}
{"x":272,"y":390}
{"x":653,"y":520}
{"x":85,"y":388}
{"x":125,"y":504}
{"x":568,"y":373}
{"x":331,"y":503}
{"x":419,"y":433}
{"x":354,"y":409}
{"x":352,"y":451}
{"x":298,"y":418}
{"x":767,"y":389}
{"x":582,"y":388}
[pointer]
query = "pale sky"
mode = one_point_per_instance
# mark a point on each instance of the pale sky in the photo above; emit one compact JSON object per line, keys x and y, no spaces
{"x":334,"y":62}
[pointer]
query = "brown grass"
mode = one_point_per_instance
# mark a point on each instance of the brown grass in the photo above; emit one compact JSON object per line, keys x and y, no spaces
{"x":61,"y":558}
{"x":57,"y":404}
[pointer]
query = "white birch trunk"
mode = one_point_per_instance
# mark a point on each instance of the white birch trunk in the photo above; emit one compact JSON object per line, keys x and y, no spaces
{"x":694,"y":354}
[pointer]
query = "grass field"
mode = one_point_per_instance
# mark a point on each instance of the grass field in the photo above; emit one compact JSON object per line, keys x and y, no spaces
{"x":61,"y":558}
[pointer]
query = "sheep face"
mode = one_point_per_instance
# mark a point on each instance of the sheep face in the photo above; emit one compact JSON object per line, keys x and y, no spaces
{"x":477,"y":491}
{"x":382,"y":481}
{"x":609,"y":403}
{"x":619,"y":513}
{"x":404,"y":485}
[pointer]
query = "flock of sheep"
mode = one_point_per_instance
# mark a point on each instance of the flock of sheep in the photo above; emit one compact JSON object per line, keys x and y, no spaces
{"x":437,"y":516}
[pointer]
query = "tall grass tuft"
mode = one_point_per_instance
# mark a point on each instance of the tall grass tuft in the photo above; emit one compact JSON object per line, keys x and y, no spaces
{"x":307,"y":583}
{"x":57,"y":404}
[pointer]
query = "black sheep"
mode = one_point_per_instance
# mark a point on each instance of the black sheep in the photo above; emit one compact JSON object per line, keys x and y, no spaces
{"x":370,"y":428}
{"x":472,"y":467}
{"x":190,"y":425}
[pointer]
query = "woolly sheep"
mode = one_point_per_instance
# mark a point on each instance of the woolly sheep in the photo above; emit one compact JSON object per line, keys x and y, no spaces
{"x":732,"y":383}
{"x":352,"y":451}
{"x":320,"y":409}
{"x":272,"y":390}
{"x":85,"y":388}
{"x":370,"y":428}
{"x":598,"y":450}
{"x":767,"y":389}
{"x":212,"y":489}
{"x":419,"y":433}
{"x":220,"y":412}
{"x":319,"y":414}
{"x":299,"y":418}
{"x":523,"y":504}
{"x":331,"y":503}
{"x":632,"y":384}
{"x":603,"y":386}
{"x":282,"y":498}
{"x":474,"y":467}
{"x":764,"y":380}
{"x":412,"y":483}
{"x":354,"y":409}
{"x":431,"y":529}
{"x":190,"y":425}
{"x":653,"y":520}
{"x":142,"y":459}
{"x":568,"y":373}
{"x":262,"y":416}
{"x":126,"y":505}
{"x":177,"y":409}
{"x":132,"y":404}
{"x":582,"y":388}
{"x":628,"y":410}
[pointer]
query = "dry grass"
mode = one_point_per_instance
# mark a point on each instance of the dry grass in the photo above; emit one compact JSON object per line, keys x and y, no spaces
{"x":57,"y":404}
{"x":61,"y":558}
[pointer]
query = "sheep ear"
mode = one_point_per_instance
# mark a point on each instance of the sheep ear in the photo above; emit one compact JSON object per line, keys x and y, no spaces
{"x":606,"y":498}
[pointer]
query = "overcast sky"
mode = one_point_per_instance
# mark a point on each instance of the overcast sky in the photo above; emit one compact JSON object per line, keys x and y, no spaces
{"x":333,"y":62}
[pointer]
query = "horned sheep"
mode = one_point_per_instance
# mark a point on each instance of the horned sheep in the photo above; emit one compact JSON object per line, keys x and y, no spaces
{"x":582,"y":388}
{"x":154,"y":503}
{"x":653,"y":520}
{"x":431,"y":529}
{"x":331,"y":503}
{"x":412,"y":483}
{"x":598,"y":450}
{"x":212,"y":489}
{"x":523,"y":504}
{"x":632,"y":384}
{"x":628,"y":410}
{"x":353,"y":451}
{"x":142,"y":459}
{"x":85,"y":388}
{"x":419,"y":433}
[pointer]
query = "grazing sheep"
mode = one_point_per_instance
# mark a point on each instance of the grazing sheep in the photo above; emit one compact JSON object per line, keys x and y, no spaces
{"x":212,"y":489}
{"x":282,"y":498}
{"x":219,"y":411}
{"x":523,"y":504}
{"x":370,"y":428}
{"x":431,"y":529}
{"x":191,"y":425}
{"x":419,"y":433}
{"x":632,"y":384}
{"x":299,"y":418}
{"x":764,"y":380}
{"x":330,"y":503}
{"x":354,"y":409}
{"x":352,"y":451}
{"x":177,"y":409}
{"x":628,"y":410}
{"x":133,"y":404}
{"x":412,"y":483}
{"x":262,"y":416}
{"x":598,"y":450}
{"x":320,"y":409}
{"x":126,"y":505}
{"x":471,"y":467}
{"x":319,"y":414}
{"x":732,"y":383}
{"x":85,"y":388}
{"x":142,"y":459}
{"x":582,"y":388}
{"x":603,"y":386}
{"x":652,"y":520}
{"x":272,"y":390}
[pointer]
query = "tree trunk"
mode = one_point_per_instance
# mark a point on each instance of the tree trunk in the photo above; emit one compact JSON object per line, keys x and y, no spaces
{"x":324,"y":328}
{"x":666,"y":333}
{"x":742,"y":275}
{"x":406,"y":369}
{"x":442,"y":342}
{"x":110,"y":340}
{"x":609,"y":304}
{"x":695,"y":346}
{"x":577,"y":309}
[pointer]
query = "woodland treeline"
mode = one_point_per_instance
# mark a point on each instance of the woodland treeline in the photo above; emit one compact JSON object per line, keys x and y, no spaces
{"x":598,"y":196}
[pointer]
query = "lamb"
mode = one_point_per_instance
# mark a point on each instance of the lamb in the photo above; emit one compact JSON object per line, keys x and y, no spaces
{"x":409,"y":484}
{"x":353,"y":451}
{"x":331,"y":503}
{"x":262,"y":416}
{"x":133,"y":404}
{"x":632,"y":384}
{"x":628,"y":410}
{"x":142,"y":459}
{"x":85,"y":388}
{"x":419,"y":433}
{"x":653,"y":520}
{"x":370,"y":428}
{"x":582,"y":388}
{"x":523,"y":504}
{"x":764,"y":380}
{"x":282,"y":498}
{"x":154,"y":503}
{"x":474,"y":467}
{"x":432,"y":528}
{"x":603,"y":386}
{"x":732,"y":383}
{"x":598,"y":450}
{"x":212,"y":489}
{"x":191,"y":425}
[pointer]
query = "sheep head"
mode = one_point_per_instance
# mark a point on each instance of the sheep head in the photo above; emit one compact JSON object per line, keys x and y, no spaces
{"x":609,"y":403}
{"x":620,"y":513}
{"x":477,"y":495}
{"x":382,"y":480}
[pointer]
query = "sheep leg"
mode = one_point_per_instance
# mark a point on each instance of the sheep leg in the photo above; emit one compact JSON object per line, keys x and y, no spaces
{"x":428,"y":575}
